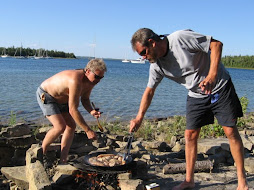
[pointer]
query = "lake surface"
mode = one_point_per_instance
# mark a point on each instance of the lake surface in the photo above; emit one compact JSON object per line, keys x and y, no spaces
{"x":118,"y":94}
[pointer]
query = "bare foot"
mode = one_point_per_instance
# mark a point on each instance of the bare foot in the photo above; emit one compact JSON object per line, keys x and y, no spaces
{"x":184,"y":185}
{"x":243,"y":188}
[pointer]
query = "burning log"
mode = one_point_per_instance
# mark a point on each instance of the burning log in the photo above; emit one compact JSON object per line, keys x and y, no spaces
{"x":200,"y":166}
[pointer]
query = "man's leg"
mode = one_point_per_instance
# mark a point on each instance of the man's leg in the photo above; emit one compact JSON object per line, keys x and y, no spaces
{"x":59,"y":125}
{"x":191,"y":138}
{"x":67,"y":137}
{"x":237,"y":151}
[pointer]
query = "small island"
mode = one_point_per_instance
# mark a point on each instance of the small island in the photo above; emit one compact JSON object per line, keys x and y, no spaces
{"x":21,"y":52}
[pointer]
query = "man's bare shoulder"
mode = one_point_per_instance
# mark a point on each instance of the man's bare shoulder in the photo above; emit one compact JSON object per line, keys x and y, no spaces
{"x":70,"y":74}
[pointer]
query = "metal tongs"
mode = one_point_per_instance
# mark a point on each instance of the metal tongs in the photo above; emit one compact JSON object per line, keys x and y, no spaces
{"x":99,"y":125}
{"x":128,"y":147}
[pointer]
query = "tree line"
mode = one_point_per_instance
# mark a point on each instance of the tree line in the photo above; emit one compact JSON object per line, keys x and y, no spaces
{"x":26,"y":52}
{"x":238,"y":61}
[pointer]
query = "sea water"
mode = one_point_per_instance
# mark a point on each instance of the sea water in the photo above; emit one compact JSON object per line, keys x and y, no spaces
{"x":118,"y":94}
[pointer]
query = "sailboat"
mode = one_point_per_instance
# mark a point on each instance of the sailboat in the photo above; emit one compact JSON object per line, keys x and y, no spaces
{"x":20,"y":53}
{"x":92,"y":49}
{"x":47,"y":57}
{"x":125,"y":60}
{"x":39,"y":56}
{"x":4,"y":55}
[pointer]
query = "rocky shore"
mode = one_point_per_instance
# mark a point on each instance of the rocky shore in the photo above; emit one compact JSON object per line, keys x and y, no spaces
{"x":22,"y":168}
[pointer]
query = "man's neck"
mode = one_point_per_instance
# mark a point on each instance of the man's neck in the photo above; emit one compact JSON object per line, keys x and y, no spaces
{"x":165,"y":46}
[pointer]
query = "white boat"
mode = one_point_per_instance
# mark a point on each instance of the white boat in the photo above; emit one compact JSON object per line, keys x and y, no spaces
{"x":20,"y":52}
{"x":39,"y":55}
{"x":47,"y":57}
{"x":139,"y":60}
{"x":125,"y":61}
{"x":4,"y":55}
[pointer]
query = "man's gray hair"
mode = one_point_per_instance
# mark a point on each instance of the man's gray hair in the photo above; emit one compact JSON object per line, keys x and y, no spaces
{"x":96,"y":64}
{"x":142,"y":36}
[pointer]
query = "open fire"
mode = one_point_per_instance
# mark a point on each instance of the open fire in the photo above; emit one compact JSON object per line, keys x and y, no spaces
{"x":96,"y":181}
{"x":91,"y":177}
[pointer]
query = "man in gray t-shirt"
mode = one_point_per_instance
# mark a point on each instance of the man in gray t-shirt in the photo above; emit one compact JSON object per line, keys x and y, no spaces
{"x":192,"y":60}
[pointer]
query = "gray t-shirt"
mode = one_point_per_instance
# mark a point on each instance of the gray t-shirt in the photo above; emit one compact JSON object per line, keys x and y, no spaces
{"x":187,"y":62}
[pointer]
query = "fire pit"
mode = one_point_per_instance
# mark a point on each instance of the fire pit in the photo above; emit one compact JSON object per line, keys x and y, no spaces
{"x":99,"y":177}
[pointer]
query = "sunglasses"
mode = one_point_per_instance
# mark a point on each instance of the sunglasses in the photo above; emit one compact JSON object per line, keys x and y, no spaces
{"x":143,"y":53}
{"x":97,"y":76}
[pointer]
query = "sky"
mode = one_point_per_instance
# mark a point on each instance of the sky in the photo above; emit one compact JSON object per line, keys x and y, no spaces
{"x":104,"y":27}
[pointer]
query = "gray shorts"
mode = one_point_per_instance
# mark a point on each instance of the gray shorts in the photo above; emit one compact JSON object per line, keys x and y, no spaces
{"x":224,"y":105}
{"x":48,"y":104}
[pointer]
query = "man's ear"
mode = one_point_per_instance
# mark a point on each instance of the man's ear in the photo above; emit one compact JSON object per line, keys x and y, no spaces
{"x":151,"y":42}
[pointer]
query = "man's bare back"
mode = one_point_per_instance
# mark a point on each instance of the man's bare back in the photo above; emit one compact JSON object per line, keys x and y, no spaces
{"x":59,"y":85}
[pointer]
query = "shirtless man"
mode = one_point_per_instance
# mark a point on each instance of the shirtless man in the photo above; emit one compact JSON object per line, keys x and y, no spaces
{"x":58,"y":97}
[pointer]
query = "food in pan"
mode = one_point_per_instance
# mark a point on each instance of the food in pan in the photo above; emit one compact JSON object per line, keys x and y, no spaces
{"x":108,"y":160}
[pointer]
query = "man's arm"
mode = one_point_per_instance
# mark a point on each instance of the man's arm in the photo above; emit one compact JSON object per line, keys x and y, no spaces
{"x":144,"y":105}
{"x":209,"y":82}
{"x":74,"y":94}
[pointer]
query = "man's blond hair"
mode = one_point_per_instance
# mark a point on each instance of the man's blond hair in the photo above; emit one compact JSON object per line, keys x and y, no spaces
{"x":96,"y":64}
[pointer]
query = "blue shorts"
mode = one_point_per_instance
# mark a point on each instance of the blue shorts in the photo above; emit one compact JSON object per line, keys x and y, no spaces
{"x":224,"y":105}
{"x":48,"y":104}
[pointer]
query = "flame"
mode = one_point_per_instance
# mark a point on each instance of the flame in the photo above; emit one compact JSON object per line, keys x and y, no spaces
{"x":88,"y":177}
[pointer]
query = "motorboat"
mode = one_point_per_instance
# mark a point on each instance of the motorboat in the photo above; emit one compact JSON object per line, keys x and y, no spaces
{"x":125,"y":61}
{"x":139,"y":60}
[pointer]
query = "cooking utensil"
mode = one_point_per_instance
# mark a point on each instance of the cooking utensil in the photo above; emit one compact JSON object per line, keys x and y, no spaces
{"x":98,"y":123}
{"x":128,"y":147}
{"x":83,"y":162}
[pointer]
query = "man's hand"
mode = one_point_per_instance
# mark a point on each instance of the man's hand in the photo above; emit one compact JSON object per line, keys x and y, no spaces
{"x":91,"y":134}
{"x":135,"y":124}
{"x":96,"y":113}
{"x":208,"y":84}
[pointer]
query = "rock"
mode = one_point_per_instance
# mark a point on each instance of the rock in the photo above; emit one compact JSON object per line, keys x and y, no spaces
{"x":17,"y":130}
{"x":66,"y":169}
{"x":37,"y":177}
{"x":211,"y":146}
{"x":19,"y":156}
{"x":124,"y":176}
{"x":61,"y":178}
{"x":173,"y":141}
{"x":249,"y":165}
{"x":24,"y":141}
{"x":80,"y":139}
{"x":16,"y":174}
{"x":6,"y":153}
{"x":153,"y":145}
{"x":115,"y":137}
{"x":161,"y":137}
{"x":251,"y":138}
{"x":246,"y":142}
{"x":142,"y":168}
{"x":177,"y":147}
{"x":218,"y":158}
{"x":33,"y":153}
{"x":131,"y":184}
{"x":82,"y":150}
{"x":41,"y":132}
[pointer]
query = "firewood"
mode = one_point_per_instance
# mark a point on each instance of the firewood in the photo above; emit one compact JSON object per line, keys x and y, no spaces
{"x":200,"y":166}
